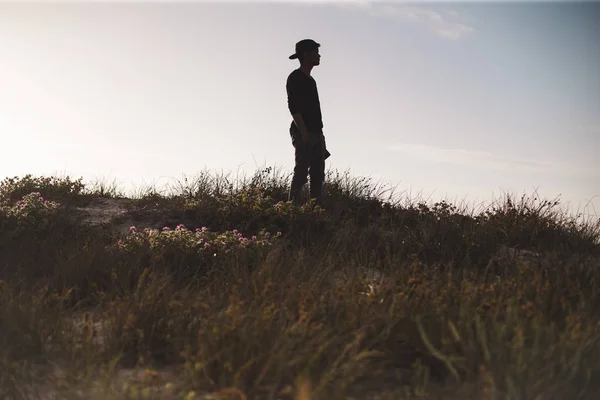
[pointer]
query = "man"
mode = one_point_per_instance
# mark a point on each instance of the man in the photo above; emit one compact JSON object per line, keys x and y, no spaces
{"x":306,"y":128}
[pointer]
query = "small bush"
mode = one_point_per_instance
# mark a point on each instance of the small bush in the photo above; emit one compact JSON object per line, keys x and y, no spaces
{"x":32,"y":229}
{"x":187,"y":252}
{"x":64,"y":190}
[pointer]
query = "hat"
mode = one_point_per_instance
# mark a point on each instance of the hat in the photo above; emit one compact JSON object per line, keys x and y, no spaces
{"x":304,"y":45}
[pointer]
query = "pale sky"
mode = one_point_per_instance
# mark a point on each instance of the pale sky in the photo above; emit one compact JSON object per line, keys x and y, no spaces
{"x":462,"y":102}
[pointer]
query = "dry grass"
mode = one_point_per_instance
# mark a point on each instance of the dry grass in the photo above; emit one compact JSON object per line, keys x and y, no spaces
{"x":367,"y":299}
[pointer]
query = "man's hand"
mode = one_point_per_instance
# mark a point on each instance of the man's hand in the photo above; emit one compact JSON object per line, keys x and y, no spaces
{"x":300,"y":124}
{"x":305,"y":137}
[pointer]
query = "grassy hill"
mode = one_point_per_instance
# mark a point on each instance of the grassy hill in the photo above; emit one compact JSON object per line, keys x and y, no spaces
{"x":221,"y":288}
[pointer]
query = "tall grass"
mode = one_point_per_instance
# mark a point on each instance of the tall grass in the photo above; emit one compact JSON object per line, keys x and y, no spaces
{"x":221,"y":286}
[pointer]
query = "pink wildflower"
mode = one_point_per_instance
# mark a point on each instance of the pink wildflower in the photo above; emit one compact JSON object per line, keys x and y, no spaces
{"x":235,"y":231}
{"x":180,"y":227}
{"x":206,"y":245}
{"x":278,"y":233}
{"x":268,"y":235}
{"x":253,"y":237}
{"x":166,"y":228}
{"x":204,"y":229}
{"x":132,"y":229}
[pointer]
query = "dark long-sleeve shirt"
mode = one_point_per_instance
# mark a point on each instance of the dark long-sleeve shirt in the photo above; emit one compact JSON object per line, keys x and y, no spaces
{"x":303,"y":98}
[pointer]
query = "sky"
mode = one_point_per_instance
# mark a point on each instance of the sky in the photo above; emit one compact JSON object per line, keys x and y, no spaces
{"x":444,"y":101}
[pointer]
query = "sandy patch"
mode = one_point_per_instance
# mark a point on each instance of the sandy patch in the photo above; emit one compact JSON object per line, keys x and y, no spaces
{"x":104,"y":210}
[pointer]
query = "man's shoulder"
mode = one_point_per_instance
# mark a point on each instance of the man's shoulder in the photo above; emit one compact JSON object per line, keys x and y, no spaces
{"x":295,"y":74}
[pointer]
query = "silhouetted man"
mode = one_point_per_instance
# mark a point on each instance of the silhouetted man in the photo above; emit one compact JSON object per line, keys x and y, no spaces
{"x":306,"y":128}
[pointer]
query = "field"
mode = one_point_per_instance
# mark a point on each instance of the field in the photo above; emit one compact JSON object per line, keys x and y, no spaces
{"x":220,"y":289}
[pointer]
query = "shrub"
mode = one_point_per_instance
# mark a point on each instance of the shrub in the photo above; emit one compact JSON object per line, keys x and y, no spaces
{"x":65,"y":190}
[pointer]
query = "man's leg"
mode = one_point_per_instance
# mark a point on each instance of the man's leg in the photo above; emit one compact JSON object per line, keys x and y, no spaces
{"x":300,"y":171}
{"x":317,"y":170}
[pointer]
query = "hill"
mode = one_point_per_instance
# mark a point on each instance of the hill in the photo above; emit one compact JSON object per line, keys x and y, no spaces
{"x":216,"y":287}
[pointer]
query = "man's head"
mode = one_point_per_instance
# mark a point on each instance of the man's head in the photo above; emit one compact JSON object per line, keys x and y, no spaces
{"x":307,"y":51}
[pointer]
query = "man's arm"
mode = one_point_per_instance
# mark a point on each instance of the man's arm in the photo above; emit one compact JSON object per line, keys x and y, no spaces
{"x":294,"y":93}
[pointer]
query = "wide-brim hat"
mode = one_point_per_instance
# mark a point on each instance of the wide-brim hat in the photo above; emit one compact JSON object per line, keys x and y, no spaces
{"x":304,"y":45}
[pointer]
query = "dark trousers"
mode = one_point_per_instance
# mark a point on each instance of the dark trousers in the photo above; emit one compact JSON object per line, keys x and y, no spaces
{"x":309,"y":160}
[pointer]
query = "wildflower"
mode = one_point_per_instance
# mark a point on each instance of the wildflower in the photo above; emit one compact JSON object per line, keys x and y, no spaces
{"x":235,"y":231}
{"x":204,"y":229}
{"x":206,"y":245}
{"x":278,"y":233}
{"x":180,"y":227}
{"x":254,"y":237}
{"x":268,"y":235}
{"x":166,"y":228}
{"x":132,"y":229}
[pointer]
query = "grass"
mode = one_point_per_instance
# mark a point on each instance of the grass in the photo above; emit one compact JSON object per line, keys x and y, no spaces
{"x":244,"y":296}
